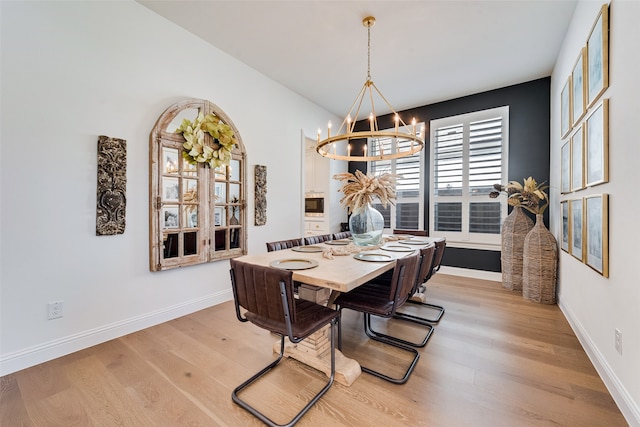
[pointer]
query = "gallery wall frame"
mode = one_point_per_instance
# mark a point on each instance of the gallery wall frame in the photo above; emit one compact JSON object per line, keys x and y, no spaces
{"x":596,"y":145}
{"x":597,"y":70}
{"x":578,"y":88}
{"x":577,"y":159}
{"x":566,"y":231}
{"x":565,"y":109}
{"x":565,"y":164}
{"x":576,"y":229}
{"x":597,"y":233}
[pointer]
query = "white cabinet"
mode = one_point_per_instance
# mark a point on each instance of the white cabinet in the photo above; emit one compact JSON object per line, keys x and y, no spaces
{"x":317,"y":172}
{"x":315,"y":227}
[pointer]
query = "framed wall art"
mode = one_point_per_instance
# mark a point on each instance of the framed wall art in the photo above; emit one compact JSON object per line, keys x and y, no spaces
{"x":597,"y":233}
{"x":565,"y":164}
{"x":598,"y":57}
{"x":576,"y":229}
{"x":597,"y":145}
{"x":565,"y":108}
{"x":577,"y":162}
{"x":566,"y":235}
{"x":578,"y":85}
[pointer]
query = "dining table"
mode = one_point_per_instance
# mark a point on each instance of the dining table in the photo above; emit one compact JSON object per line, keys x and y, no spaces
{"x":340,"y":266}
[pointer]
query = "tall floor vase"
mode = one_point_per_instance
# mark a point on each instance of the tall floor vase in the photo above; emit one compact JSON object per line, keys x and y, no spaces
{"x":540,"y":264}
{"x":514,"y":230}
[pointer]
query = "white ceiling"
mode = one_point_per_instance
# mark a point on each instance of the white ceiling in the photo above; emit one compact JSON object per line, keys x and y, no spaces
{"x":422,"y":51}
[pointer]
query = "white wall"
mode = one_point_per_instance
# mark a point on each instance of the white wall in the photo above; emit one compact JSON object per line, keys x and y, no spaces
{"x":72,"y":71}
{"x":595,"y":305}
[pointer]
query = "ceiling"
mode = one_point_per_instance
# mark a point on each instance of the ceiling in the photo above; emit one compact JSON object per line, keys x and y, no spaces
{"x":422,"y":51}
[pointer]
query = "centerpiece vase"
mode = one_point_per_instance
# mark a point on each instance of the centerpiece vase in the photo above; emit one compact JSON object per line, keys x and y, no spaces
{"x":514,"y":230}
{"x":540,"y":264}
{"x":366,"y":225}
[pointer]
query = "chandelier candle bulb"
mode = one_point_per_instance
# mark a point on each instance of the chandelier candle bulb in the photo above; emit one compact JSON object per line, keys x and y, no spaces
{"x":329,"y":130}
{"x":365,"y":149}
{"x":413,"y":123}
{"x":371,"y":122}
{"x":349,"y":123}
{"x":397,"y":119}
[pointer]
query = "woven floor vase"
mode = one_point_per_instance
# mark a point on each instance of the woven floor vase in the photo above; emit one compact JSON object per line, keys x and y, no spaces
{"x":515,"y":228}
{"x":540,"y":264}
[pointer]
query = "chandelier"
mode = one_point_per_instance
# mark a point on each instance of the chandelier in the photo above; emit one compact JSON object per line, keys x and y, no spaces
{"x":402,"y":141}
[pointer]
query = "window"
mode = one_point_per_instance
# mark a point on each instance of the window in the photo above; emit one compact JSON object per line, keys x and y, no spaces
{"x":197,"y":214}
{"x":468,"y":156}
{"x":408,"y":210}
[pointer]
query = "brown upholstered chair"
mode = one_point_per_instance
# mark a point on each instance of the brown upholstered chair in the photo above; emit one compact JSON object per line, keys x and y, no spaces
{"x":284,"y":244}
{"x":373,"y":299}
{"x":312,"y":240}
{"x":412,"y":232}
{"x":267,"y":296}
{"x":440,"y":246}
{"x":341,"y":235}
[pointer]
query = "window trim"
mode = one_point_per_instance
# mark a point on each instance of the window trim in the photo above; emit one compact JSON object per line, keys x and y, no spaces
{"x":465,"y":238}
{"x":206,"y":177}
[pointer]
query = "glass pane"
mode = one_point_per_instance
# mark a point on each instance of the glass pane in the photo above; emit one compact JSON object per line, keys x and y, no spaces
{"x":234,"y":193}
{"x":169,"y":217}
{"x":219,"y":217}
{"x":484,"y":218}
{"x":235,"y":238}
{"x":170,"y":160}
{"x":234,"y":170}
{"x":190,"y":190}
{"x":234,"y":215}
{"x":220,"y":240}
{"x":407,"y":216}
{"x":170,"y":246}
{"x":221,"y":173}
{"x":188,"y":169}
{"x":189,"y":113}
{"x":191,"y":216}
{"x":220,"y":193}
{"x":169,"y":189}
{"x":448,"y":216}
{"x":386,"y":213}
{"x":191,"y":243}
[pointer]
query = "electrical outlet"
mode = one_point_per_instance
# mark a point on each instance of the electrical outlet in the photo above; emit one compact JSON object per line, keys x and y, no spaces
{"x":54,"y":309}
{"x":618,"y":335}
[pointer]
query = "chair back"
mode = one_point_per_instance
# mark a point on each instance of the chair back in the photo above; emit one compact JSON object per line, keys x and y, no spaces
{"x":341,"y":235}
{"x":284,"y":244}
{"x":257,"y":289}
{"x":403,"y":280}
{"x":312,"y":240}
{"x":412,"y":232}
{"x":426,"y":265}
{"x":441,"y":245}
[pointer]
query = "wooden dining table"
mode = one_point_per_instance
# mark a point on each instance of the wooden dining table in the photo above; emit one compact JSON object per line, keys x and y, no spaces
{"x":340,"y":273}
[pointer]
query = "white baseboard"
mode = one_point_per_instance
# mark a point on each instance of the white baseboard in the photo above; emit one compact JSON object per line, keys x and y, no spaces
{"x":474,"y":274}
{"x":628,"y":407}
{"x":41,"y":353}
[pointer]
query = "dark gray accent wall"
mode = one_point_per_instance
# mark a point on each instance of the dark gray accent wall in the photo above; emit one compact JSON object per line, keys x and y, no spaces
{"x":529,"y":146}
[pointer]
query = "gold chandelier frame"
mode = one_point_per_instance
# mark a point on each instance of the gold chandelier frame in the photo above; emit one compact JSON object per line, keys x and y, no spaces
{"x":401,"y":134}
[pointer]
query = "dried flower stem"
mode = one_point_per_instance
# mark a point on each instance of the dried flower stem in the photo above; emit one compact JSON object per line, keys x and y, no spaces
{"x":360,"y":189}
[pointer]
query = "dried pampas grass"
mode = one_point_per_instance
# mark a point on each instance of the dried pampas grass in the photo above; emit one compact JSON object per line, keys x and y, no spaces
{"x":360,"y":189}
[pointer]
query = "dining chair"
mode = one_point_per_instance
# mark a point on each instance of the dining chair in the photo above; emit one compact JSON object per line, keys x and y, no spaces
{"x":341,"y":235}
{"x":284,"y":244}
{"x":412,"y":232}
{"x":312,"y":240}
{"x":440,"y":246}
{"x":266,"y":294}
{"x":373,"y":299}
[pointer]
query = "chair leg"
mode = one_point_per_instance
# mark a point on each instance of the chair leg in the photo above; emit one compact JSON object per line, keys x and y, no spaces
{"x":262,"y":417}
{"x":423,"y":320}
{"x":400,"y":316}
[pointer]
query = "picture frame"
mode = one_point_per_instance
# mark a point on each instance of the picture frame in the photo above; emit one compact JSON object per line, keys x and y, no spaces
{"x":170,"y":217}
{"x":596,"y":145}
{"x":577,"y":159}
{"x":598,"y":57}
{"x":565,"y":168}
{"x":576,"y":219}
{"x":565,"y":109}
{"x":578,"y":88}
{"x":566,"y":232}
{"x":597,"y":233}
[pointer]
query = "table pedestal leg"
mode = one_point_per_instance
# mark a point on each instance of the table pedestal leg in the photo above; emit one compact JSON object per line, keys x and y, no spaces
{"x":315,"y":351}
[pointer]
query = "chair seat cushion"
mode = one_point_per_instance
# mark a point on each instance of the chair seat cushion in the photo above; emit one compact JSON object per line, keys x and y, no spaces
{"x":310,"y":317}
{"x":372,"y":298}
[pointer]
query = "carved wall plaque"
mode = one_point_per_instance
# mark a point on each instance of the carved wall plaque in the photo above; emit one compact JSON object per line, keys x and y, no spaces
{"x":261,"y":195}
{"x":112,"y":186}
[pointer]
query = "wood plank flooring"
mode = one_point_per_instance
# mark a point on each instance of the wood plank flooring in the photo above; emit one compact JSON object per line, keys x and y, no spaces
{"x":495,"y":359}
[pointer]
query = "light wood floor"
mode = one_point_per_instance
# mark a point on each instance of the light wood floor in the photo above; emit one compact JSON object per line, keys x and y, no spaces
{"x":494,"y":360}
